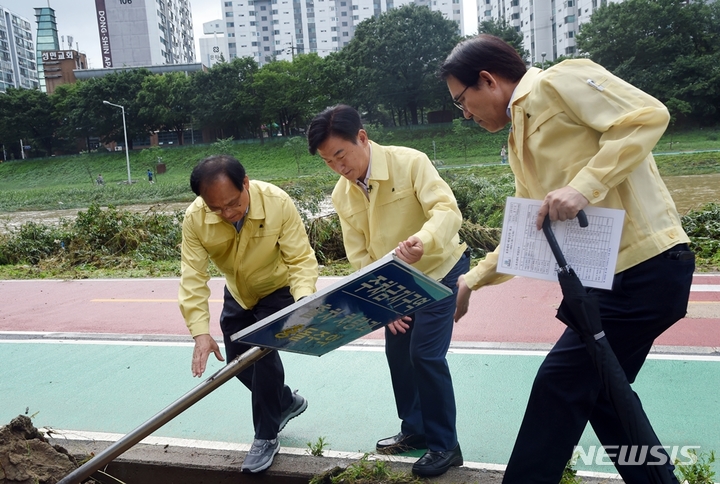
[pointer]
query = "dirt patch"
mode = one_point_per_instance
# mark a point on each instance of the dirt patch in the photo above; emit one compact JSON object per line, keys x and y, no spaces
{"x":26,"y":457}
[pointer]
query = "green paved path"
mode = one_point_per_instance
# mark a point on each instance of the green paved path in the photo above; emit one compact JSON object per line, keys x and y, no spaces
{"x":103,"y":387}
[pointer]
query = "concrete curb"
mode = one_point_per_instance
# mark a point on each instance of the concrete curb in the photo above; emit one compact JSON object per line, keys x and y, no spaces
{"x":172,"y":464}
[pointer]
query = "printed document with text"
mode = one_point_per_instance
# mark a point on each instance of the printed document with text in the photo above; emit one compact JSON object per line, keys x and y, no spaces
{"x":591,"y":251}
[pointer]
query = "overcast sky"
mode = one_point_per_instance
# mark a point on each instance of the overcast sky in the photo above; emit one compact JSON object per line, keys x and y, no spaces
{"x":76,"y":18}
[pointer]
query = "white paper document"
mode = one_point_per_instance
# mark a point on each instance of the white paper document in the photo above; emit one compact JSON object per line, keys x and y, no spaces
{"x":591,"y":251}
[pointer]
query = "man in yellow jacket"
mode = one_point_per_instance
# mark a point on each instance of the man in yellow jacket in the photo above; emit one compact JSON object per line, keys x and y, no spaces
{"x":580,"y":136}
{"x":392,"y":198}
{"x":253,"y":233}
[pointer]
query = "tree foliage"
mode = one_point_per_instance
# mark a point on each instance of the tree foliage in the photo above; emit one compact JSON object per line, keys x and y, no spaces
{"x":501,"y":28}
{"x":393,"y":60}
{"x":668,"y":48}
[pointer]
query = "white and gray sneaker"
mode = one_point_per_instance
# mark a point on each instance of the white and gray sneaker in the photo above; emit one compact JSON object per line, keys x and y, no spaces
{"x":261,"y":455}
{"x":298,"y":406}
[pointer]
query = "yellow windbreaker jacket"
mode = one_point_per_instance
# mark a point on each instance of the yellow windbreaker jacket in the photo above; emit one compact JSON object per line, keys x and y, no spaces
{"x":577,"y":124}
{"x":270,"y":252}
{"x":408,"y":197}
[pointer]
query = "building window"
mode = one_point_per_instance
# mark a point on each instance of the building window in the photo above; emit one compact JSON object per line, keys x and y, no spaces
{"x":228,"y":14}
{"x":356,"y":17}
{"x":263,"y":19}
{"x":334,"y":39}
{"x":515,"y":16}
{"x":254,"y":44}
{"x":228,"y":4}
{"x":355,"y":7}
{"x":266,"y":49}
{"x":343,"y":14}
{"x":570,"y":19}
{"x":571,"y":34}
{"x":264,"y":29}
{"x":263,"y":7}
{"x":266,"y":38}
{"x":274,"y":12}
{"x":230,"y":24}
{"x":231,"y":45}
{"x":251,"y":13}
{"x":276,"y":32}
{"x":346,"y":34}
{"x":253,"y":23}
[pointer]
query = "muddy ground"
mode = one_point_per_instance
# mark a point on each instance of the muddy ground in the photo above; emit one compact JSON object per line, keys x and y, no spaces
{"x":26,"y":457}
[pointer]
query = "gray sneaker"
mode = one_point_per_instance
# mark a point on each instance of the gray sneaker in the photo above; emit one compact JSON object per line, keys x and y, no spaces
{"x":298,"y":406}
{"x":261,"y":455}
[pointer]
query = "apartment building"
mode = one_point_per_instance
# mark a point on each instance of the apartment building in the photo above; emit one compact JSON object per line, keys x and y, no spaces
{"x":214,"y":47}
{"x":278,"y":29}
{"x":18,"y":67}
{"x":548,"y":27}
{"x":137,"y":33}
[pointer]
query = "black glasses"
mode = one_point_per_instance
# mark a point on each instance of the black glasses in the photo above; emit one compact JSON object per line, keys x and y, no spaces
{"x":456,"y":99}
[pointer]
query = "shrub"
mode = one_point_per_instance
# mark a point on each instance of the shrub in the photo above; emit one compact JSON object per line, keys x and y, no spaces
{"x":703,"y":228}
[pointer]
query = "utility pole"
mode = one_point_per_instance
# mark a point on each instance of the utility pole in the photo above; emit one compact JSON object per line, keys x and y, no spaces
{"x":292,"y":49}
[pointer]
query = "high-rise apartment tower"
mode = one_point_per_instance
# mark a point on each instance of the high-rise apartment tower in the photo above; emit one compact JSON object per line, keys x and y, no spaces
{"x":18,"y":66}
{"x":278,"y":29}
{"x":145,"y":32}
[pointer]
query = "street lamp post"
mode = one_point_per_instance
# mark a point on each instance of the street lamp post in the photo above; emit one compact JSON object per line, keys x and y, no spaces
{"x":543,"y":59}
{"x":127,"y":153}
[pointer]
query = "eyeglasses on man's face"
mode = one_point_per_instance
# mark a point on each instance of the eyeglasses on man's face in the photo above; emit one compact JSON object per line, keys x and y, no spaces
{"x":457,"y":102}
{"x":233,"y":206}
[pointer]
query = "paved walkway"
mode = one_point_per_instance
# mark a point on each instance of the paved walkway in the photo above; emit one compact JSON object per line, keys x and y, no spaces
{"x":103,"y":356}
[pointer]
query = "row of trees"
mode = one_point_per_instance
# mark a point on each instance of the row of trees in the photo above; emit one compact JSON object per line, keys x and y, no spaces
{"x":384,"y":70}
{"x":669,"y":48}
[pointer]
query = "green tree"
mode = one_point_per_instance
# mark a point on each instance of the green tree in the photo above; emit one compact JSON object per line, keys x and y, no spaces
{"x":291,"y":91}
{"x":166,"y":103}
{"x":393,"y":60}
{"x":668,"y":48}
{"x":224,"y":98}
{"x":501,"y":28}
{"x":27,"y":115}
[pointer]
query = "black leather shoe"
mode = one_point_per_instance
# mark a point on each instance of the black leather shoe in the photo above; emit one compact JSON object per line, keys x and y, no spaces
{"x":401,"y":443}
{"x":436,"y":463}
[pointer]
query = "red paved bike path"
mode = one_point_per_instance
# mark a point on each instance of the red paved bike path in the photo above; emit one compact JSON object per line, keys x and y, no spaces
{"x":521,"y":310}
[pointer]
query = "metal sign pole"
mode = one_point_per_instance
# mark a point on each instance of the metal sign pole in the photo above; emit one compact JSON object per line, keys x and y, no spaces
{"x":164,"y":416}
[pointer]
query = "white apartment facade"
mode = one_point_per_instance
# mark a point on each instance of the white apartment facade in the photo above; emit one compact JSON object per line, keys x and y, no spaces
{"x":214,"y":49}
{"x":137,"y":33}
{"x":18,"y":67}
{"x":548,"y":27}
{"x":278,"y":29}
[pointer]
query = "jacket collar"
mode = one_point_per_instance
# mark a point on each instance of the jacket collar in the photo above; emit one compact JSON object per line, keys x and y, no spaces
{"x":378,"y":166}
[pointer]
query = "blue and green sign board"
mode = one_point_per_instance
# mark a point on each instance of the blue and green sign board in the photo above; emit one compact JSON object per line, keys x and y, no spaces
{"x":343,"y":312}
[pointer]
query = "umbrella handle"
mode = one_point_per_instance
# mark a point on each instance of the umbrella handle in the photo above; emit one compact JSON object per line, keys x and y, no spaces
{"x":550,"y":236}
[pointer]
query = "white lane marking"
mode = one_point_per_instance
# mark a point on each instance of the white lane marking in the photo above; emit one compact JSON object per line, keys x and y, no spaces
{"x":375,"y":346}
{"x":705,"y":288}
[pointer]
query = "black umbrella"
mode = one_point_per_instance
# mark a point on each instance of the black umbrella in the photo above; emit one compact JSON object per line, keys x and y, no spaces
{"x":580,"y":312}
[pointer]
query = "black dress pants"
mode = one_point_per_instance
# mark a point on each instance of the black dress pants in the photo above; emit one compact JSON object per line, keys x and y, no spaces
{"x":645,"y":300}
{"x":266,"y":378}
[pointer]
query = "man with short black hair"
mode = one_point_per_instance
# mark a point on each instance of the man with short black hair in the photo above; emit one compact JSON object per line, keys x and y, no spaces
{"x":253,"y":233}
{"x":392,"y":198}
{"x":580,"y":136}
